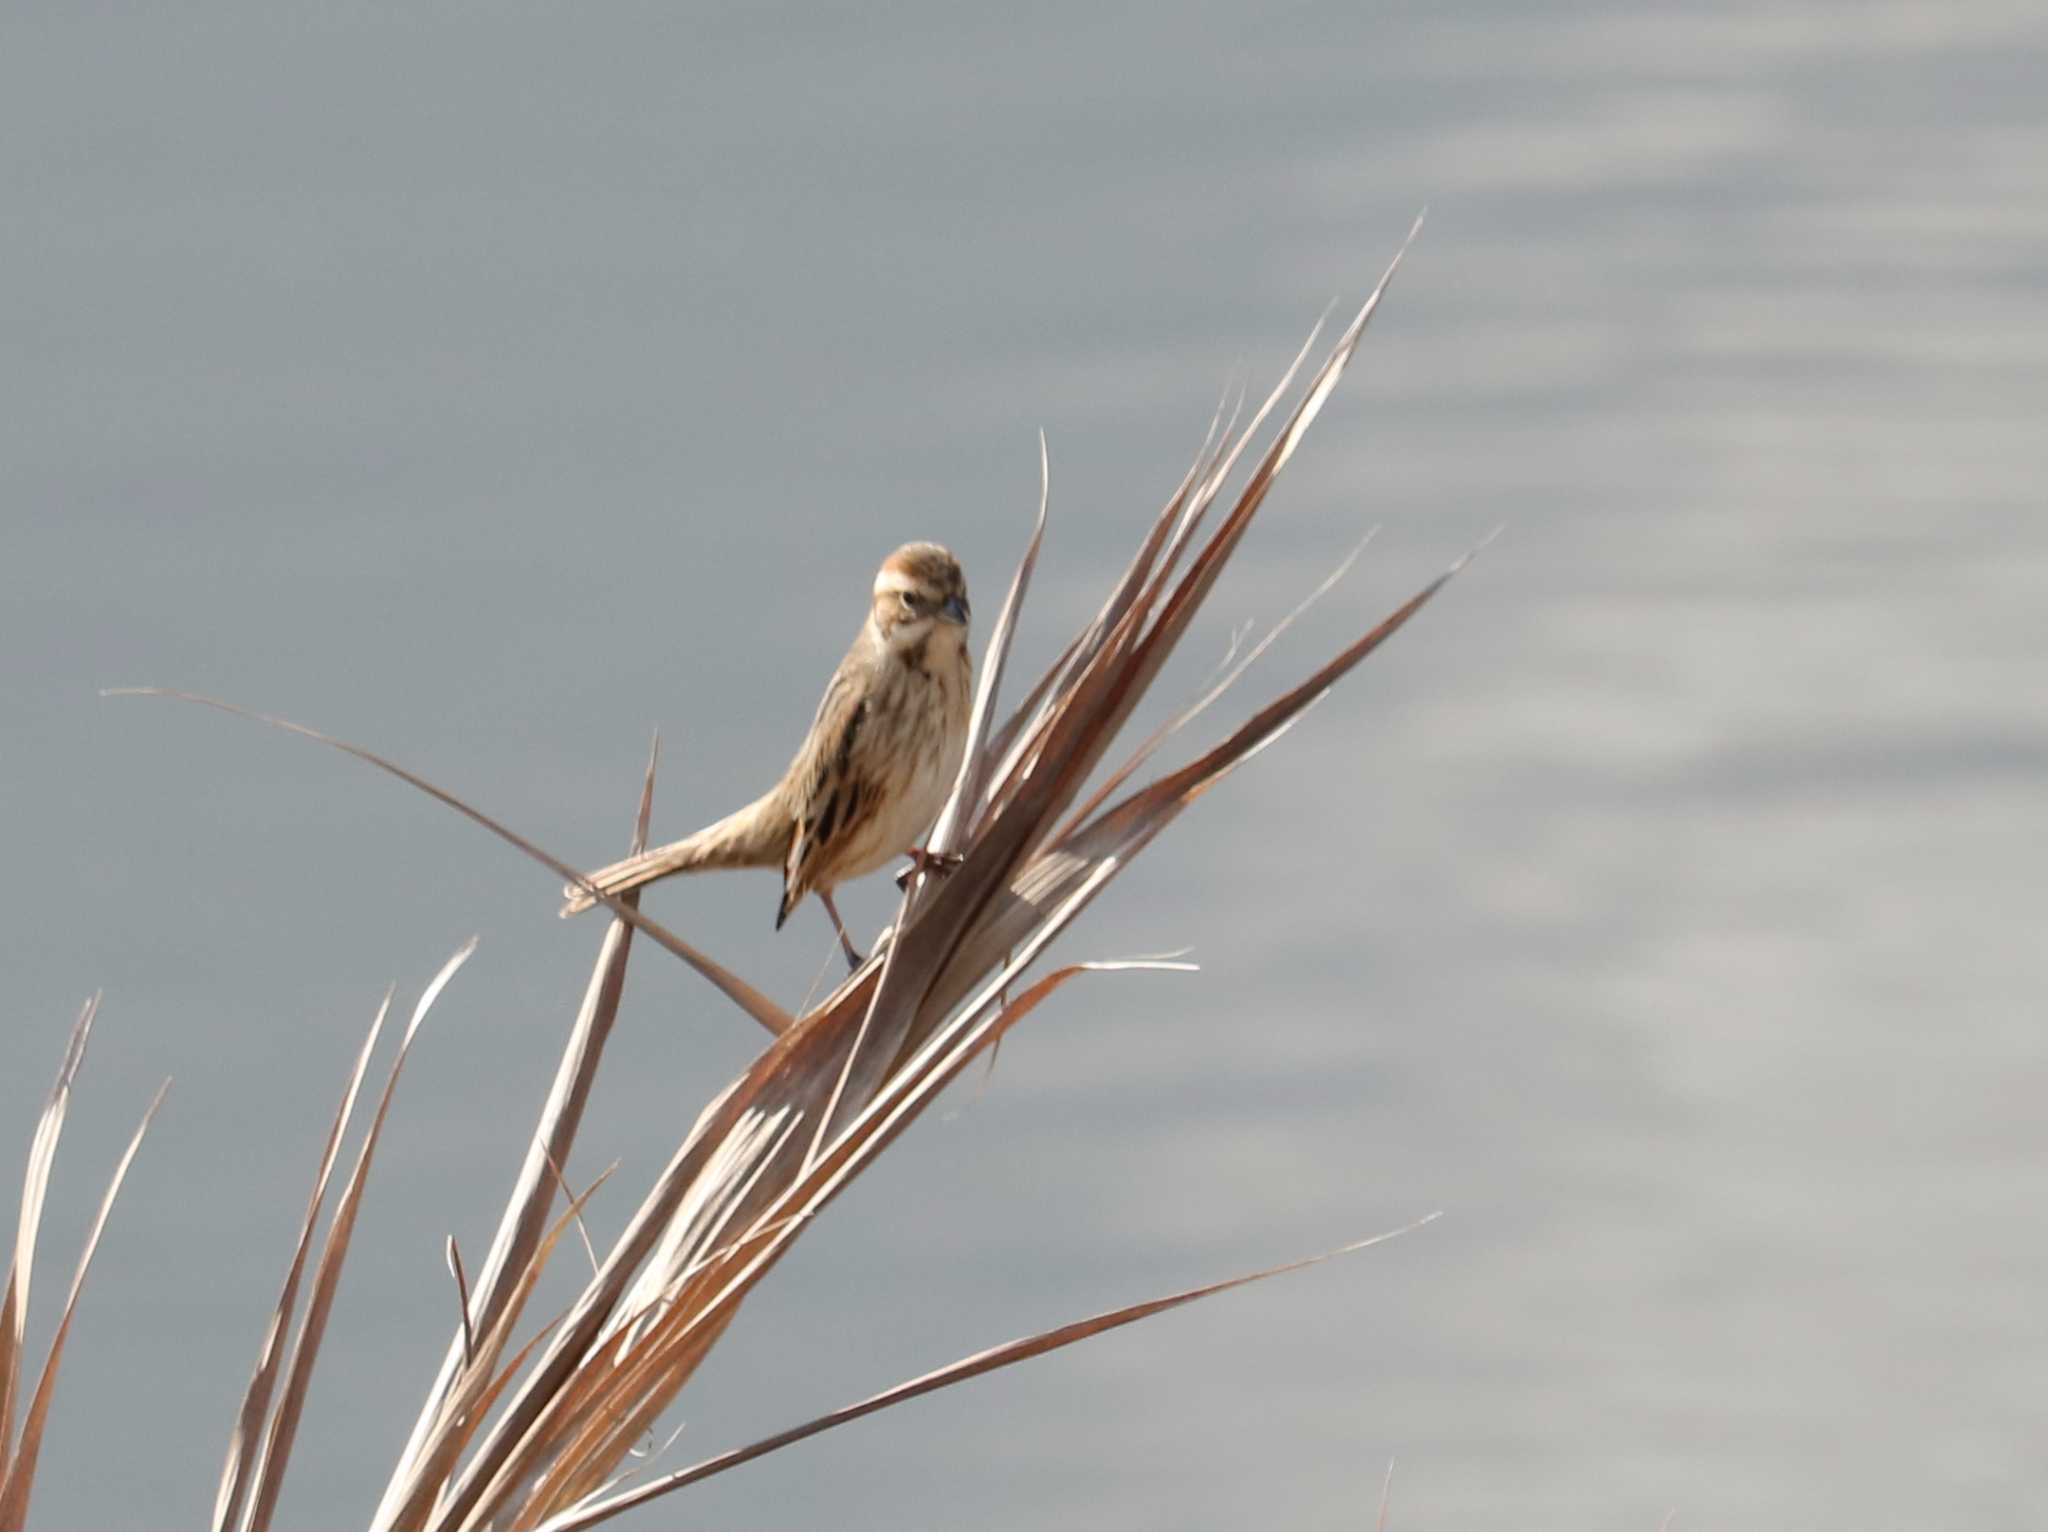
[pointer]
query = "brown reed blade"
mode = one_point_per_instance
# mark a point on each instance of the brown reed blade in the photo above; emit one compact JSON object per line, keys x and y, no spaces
{"x":1233,"y":670}
{"x":526,"y":1210}
{"x":973,"y":764}
{"x":981,"y":1362}
{"x":245,"y":1443}
{"x":744,"y":995}
{"x":283,"y":1426}
{"x":1113,"y":683}
{"x":42,"y":1154}
{"x":21,"y":1473}
{"x":582,"y":1429}
{"x":462,"y":1408}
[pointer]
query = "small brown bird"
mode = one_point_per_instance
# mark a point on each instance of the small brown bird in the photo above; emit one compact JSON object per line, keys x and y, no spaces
{"x":876,"y":767}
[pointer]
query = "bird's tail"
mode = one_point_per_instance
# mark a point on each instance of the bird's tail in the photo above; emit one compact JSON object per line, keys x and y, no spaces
{"x":755,"y":836}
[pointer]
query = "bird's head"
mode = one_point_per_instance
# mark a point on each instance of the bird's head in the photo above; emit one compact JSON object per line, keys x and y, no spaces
{"x":920,"y":598}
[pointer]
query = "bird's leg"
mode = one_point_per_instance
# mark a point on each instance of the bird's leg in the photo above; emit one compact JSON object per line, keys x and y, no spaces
{"x":923,"y":859}
{"x":853,"y":957}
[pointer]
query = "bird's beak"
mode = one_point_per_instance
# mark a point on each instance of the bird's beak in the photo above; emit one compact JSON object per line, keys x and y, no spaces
{"x":955,"y":610}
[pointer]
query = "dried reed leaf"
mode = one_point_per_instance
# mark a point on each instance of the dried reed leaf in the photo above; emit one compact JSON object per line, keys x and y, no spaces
{"x":1197,"y":777}
{"x":255,"y":1413}
{"x":514,"y":1248}
{"x":612,"y":1405}
{"x":1003,"y":740}
{"x":1126,"y":669}
{"x":580,"y":1329}
{"x":278,"y":1441}
{"x":21,"y":1474}
{"x":453,"y":1254}
{"x":973,"y":764}
{"x":42,"y":1154}
{"x":744,"y":995}
{"x":462,"y":1408}
{"x":994,"y":1358}
{"x":1233,"y":670}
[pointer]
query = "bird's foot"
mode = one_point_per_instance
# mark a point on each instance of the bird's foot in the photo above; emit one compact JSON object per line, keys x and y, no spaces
{"x":925,"y":860}
{"x":853,"y":957}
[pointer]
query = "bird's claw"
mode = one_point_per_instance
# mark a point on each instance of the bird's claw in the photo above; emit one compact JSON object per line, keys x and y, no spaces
{"x":924,"y":860}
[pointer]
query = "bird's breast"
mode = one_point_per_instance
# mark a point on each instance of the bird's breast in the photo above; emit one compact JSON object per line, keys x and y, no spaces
{"x":909,"y":751}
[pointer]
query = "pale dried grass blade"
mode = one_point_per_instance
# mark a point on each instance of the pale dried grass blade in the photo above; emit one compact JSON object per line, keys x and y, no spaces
{"x":1004,"y":746}
{"x":994,"y":1358}
{"x":575,"y":1201}
{"x":685,"y":1332}
{"x":656,"y":1335}
{"x":731,"y":985}
{"x":1233,"y":669}
{"x":35,"y":1187}
{"x":244,"y":1444}
{"x":21,"y":1475}
{"x":526,"y":1209}
{"x":1266,"y":725}
{"x":462,"y":1408}
{"x":1078,"y":859}
{"x":1175,"y":521}
{"x":981,"y":1024}
{"x":1211,"y":483}
{"x":1102,"y":709}
{"x":528,"y":1449}
{"x":953,"y":818}
{"x":1118,"y":833}
{"x":572,"y":1346}
{"x":1092,"y":689}
{"x":278,"y":1441}
{"x":452,"y":1253}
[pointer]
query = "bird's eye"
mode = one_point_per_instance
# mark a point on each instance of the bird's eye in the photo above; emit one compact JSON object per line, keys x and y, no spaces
{"x":909,"y":605}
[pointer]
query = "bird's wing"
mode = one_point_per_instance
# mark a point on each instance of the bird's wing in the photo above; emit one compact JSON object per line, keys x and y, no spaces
{"x":819,"y":777}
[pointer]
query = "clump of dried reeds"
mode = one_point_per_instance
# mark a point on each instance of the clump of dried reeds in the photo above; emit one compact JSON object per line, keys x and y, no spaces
{"x":530,"y":1436}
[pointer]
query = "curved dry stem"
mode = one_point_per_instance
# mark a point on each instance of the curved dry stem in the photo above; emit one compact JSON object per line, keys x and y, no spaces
{"x":728,"y":983}
{"x":1008,"y":1354}
{"x":18,"y":1474}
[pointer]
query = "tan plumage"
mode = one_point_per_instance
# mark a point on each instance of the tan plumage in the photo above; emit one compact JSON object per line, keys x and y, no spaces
{"x":875,"y":768}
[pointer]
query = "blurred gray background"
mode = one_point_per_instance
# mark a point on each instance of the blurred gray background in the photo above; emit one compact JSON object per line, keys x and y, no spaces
{"x":492,"y":384}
